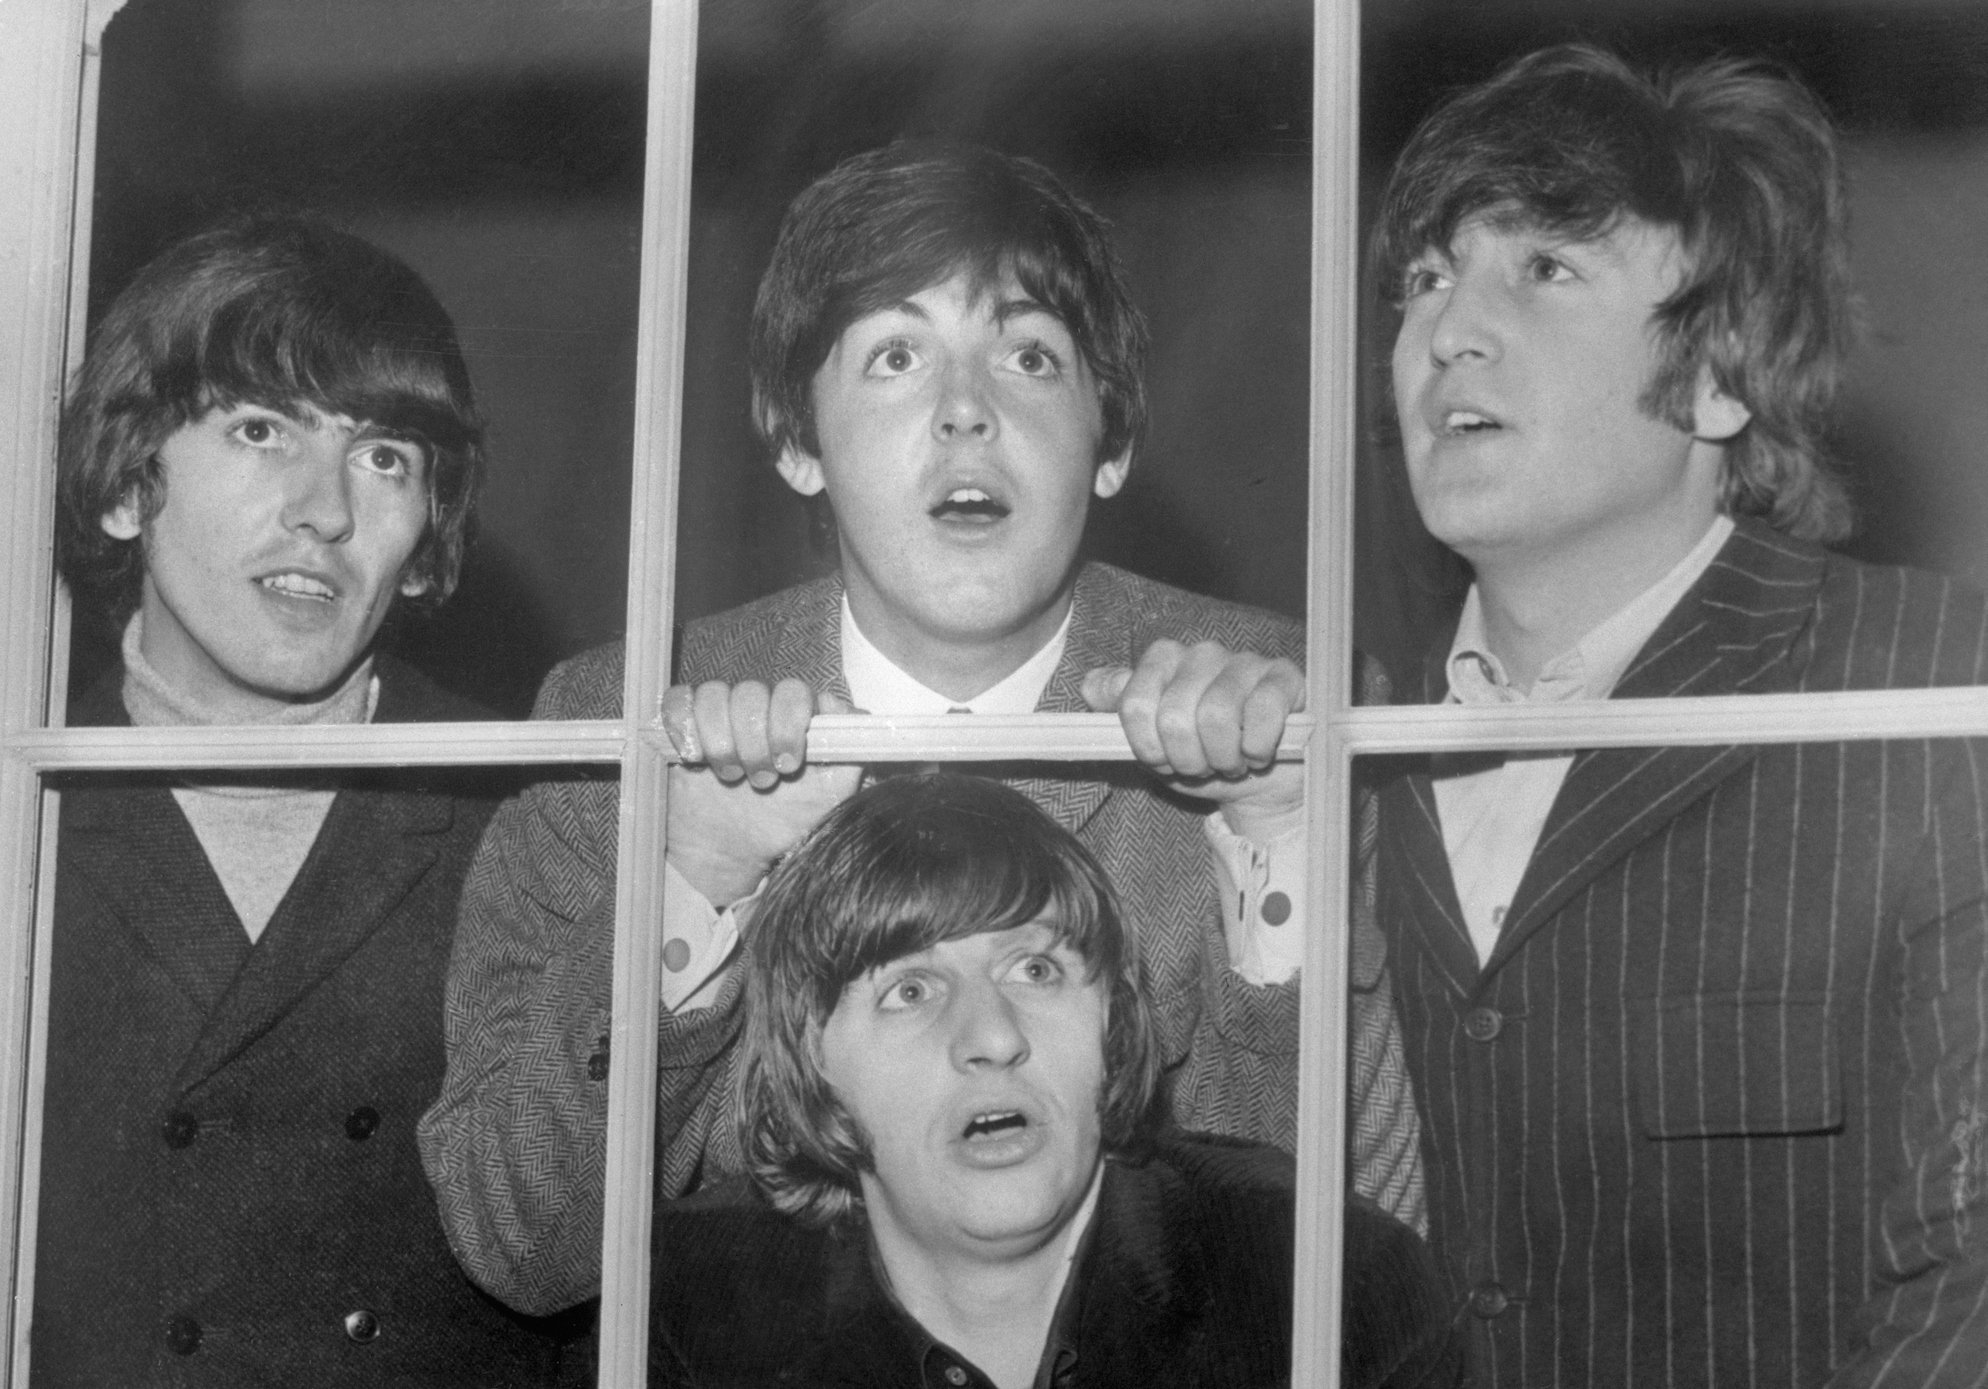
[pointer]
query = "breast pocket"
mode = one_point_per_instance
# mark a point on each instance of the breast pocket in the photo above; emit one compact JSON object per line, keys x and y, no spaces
{"x":1723,"y":1065}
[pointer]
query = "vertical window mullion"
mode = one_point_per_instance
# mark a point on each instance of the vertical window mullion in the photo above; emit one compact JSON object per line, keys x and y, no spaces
{"x":1329,"y":611}
{"x":41,"y":96}
{"x":672,"y":84}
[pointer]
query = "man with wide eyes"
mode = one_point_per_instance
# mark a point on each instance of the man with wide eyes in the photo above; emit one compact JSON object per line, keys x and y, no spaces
{"x":1698,"y":1032}
{"x":271,"y":442}
{"x":944,"y":350}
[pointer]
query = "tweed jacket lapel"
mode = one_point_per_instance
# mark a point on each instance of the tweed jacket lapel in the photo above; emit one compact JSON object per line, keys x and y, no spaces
{"x":1741,"y":630}
{"x":1072,"y":800}
{"x":793,"y":634}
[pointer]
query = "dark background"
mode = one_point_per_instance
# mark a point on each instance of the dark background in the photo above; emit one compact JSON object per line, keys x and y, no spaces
{"x":497,"y":146}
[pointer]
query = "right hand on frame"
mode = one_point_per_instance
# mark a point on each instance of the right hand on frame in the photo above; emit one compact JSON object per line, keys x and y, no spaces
{"x":744,"y":794}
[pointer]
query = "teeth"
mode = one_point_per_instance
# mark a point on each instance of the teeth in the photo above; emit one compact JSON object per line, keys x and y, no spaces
{"x":998,"y":1119}
{"x":1458,"y":420}
{"x":297,"y":586}
{"x":967,"y":494}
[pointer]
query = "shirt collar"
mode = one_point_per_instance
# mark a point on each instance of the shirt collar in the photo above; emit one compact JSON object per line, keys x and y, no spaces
{"x":878,"y":685}
{"x":1591,"y":668}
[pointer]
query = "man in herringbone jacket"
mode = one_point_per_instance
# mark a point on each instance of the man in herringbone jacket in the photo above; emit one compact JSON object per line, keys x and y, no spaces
{"x":1698,"y":1032}
{"x":944,"y":347}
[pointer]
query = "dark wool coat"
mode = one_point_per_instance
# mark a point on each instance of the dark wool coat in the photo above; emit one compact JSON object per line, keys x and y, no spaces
{"x":1716,"y":1110}
{"x":1183,"y":1282}
{"x":230,"y":1188}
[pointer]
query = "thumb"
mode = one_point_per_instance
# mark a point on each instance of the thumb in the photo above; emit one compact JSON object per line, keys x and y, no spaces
{"x":1104,"y":686}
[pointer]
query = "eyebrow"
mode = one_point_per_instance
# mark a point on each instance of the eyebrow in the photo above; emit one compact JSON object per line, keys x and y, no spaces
{"x":1005,"y":310}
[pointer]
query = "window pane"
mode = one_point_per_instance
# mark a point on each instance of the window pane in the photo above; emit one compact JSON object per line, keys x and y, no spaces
{"x":1185,"y":125}
{"x":1669,"y":1009}
{"x":1907,"y":89}
{"x":498,"y":150}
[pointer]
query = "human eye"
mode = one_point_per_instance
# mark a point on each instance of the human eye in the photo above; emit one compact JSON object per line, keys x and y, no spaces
{"x":394,"y":458}
{"x":892,"y":358}
{"x":906,"y":992}
{"x":1543,"y":267}
{"x":259,"y":429}
{"x":1039,"y":968}
{"x":1036,"y":358}
{"x":1423,"y":277}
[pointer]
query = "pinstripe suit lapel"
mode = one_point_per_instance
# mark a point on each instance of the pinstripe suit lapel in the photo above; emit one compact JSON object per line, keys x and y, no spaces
{"x":1412,"y":837}
{"x":1741,"y":629}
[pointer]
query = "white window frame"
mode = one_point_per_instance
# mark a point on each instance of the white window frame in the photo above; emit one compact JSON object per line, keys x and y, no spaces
{"x":47,"y":138}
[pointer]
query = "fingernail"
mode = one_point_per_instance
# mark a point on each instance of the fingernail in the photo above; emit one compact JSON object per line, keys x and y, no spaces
{"x":762,"y":780}
{"x":785,"y":763}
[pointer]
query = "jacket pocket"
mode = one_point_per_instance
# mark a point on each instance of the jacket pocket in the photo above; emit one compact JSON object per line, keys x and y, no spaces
{"x":1719,"y":1065}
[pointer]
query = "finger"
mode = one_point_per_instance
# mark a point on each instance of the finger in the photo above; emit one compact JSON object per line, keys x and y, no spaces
{"x":1279,"y":694}
{"x":712,"y":707}
{"x":787,"y":720}
{"x":1103,"y":687}
{"x":1139,"y":704}
{"x":1222,"y":717}
{"x":680,"y":722}
{"x":752,"y":704}
{"x":1198,"y":731}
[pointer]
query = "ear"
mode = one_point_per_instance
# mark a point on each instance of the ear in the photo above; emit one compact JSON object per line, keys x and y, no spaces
{"x":123,"y":522}
{"x":801,"y":469}
{"x":1715,"y":416}
{"x":1111,"y":474}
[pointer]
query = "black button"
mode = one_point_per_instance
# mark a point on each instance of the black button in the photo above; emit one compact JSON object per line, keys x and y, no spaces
{"x":362,"y":1326}
{"x":182,"y":1335}
{"x":1275,"y":908}
{"x":1488,"y":1300}
{"x":597,"y":1063}
{"x":955,"y":1375}
{"x":1482,"y":1024}
{"x":361,"y":1123}
{"x":179,"y":1131}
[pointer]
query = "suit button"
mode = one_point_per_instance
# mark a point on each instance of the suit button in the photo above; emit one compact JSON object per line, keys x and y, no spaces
{"x":179,"y":1131}
{"x":1482,"y":1024}
{"x":597,"y":1063}
{"x":361,"y":1123}
{"x":362,"y":1326}
{"x":1488,"y":1300}
{"x":182,"y":1335}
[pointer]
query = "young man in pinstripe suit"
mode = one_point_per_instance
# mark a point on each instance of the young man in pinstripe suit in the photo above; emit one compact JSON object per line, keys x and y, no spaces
{"x":1697,"y":1032}
{"x":945,"y":350}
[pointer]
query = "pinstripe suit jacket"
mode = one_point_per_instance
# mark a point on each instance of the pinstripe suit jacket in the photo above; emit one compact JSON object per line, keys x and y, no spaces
{"x":1715,"y":1112}
{"x":516,"y":1144}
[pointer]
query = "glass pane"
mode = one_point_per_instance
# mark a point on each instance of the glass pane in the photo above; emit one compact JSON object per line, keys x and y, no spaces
{"x":1186,"y":126}
{"x":1909,"y":96}
{"x":1693,"y":1032}
{"x":499,"y":153}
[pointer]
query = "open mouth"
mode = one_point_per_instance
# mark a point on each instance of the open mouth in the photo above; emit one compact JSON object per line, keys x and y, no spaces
{"x":1459,"y":422}
{"x":298,"y":586}
{"x":969,"y":504}
{"x":994,"y":1124}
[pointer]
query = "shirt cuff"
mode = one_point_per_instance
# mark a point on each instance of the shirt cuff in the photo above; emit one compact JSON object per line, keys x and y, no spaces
{"x":1262,"y":889}
{"x":698,"y":941}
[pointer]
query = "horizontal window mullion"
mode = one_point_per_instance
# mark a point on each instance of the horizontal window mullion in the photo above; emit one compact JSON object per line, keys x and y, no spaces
{"x":364,"y":745}
{"x":1788,"y":718}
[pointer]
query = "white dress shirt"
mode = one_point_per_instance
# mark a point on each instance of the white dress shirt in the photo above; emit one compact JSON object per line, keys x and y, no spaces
{"x":1493,"y":806}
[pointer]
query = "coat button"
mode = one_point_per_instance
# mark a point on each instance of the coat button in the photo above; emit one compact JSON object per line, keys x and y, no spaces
{"x":1482,"y":1024}
{"x":179,"y":1131}
{"x":362,"y":1326}
{"x":361,"y":1123}
{"x":1488,"y":1300}
{"x":182,"y":1335}
{"x":597,"y":1063}
{"x":955,"y":1375}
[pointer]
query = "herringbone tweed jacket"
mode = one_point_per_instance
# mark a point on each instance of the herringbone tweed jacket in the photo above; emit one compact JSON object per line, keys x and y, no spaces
{"x":231,"y":1192}
{"x":1716,"y":1110}
{"x":516,"y":1145}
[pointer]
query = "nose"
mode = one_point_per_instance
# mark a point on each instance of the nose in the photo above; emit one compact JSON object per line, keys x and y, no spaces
{"x":1465,"y":323}
{"x":963,"y":410}
{"x":987,"y":1031}
{"x":318,"y":489}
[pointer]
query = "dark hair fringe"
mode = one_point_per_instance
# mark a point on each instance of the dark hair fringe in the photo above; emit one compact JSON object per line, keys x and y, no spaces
{"x":898,"y":868}
{"x":282,"y":312}
{"x":1740,"y":160}
{"x":883,"y":225}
